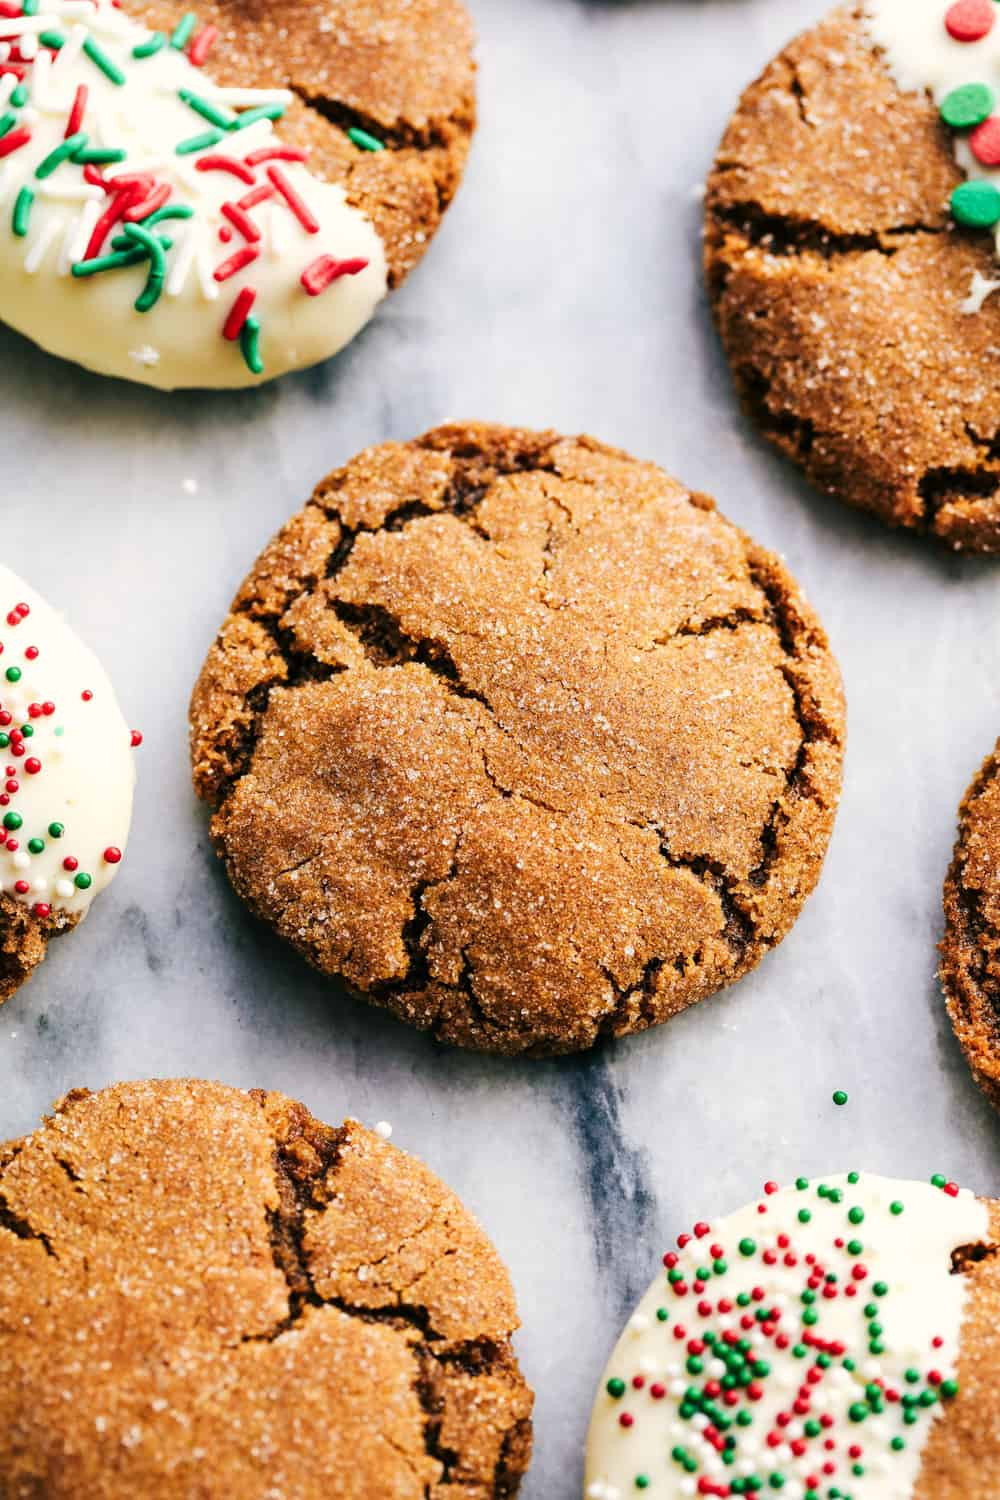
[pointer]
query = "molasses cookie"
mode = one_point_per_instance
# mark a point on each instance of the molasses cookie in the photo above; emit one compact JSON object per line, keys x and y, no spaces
{"x":208,"y":1292}
{"x":970,"y":950}
{"x":836,"y":1340}
{"x":214,"y":199}
{"x":518,"y":738}
{"x":852,"y":261}
{"x":68,"y":777}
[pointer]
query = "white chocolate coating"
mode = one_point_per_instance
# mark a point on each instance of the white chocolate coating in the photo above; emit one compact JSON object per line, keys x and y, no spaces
{"x":922,"y":57}
{"x":902,"y":1286}
{"x":178,"y":341}
{"x":87,"y":772}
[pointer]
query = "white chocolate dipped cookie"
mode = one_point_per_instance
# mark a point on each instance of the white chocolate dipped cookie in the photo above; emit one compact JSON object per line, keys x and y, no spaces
{"x":68,"y":779}
{"x":185,"y":202}
{"x":835,"y":1340}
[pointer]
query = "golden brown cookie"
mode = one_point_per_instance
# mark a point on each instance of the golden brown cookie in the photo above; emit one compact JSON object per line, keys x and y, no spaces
{"x":520,"y":739}
{"x":841,"y":285}
{"x":208,"y":1292}
{"x":833,"y":1339}
{"x":970,"y":949}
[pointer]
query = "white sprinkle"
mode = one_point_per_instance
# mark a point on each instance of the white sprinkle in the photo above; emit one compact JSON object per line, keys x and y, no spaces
{"x":145,"y":355}
{"x":384,"y":1129}
{"x":189,"y":486}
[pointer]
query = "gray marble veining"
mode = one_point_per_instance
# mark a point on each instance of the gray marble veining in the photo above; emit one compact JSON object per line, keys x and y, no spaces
{"x":564,"y":290}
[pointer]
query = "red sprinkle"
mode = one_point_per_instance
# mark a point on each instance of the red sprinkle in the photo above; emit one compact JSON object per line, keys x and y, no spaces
{"x":236,"y":262}
{"x":17,"y":138}
{"x":292,"y":198}
{"x":233,"y":326}
{"x":77,"y":111}
{"x":276,"y":153}
{"x":242,"y":221}
{"x":112,"y":856}
{"x":259,"y":194}
{"x":42,"y":909}
{"x":318,"y":275}
{"x":202,"y":45}
{"x":970,"y":20}
{"x":21,"y":886}
{"x":32,"y":765}
{"x":218,"y":162}
{"x":985,"y":142}
{"x":136,"y":739}
{"x":148,"y":205}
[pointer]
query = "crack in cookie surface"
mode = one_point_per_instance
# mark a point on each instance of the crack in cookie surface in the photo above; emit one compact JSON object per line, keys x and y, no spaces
{"x":544,"y":666}
{"x":837,"y":281}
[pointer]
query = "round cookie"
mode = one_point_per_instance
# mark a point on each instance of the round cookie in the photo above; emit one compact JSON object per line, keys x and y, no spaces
{"x":970,"y":949}
{"x":859,"y":317}
{"x":68,"y":778}
{"x":213,"y":200}
{"x":519,"y":739}
{"x":208,"y":1292}
{"x":836,"y":1340}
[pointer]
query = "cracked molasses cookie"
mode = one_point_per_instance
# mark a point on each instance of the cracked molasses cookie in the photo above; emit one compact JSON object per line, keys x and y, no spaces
{"x":852,"y":262}
{"x":208,"y":1292}
{"x":841,"y":1342}
{"x":970,"y":949}
{"x":67,"y":783}
{"x":214,"y":199}
{"x":520,"y":739}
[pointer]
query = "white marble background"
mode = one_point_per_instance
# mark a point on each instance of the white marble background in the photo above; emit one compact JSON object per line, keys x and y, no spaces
{"x":564,"y":290}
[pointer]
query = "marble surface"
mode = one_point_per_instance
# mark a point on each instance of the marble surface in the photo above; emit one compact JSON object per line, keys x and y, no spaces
{"x":563,"y":290}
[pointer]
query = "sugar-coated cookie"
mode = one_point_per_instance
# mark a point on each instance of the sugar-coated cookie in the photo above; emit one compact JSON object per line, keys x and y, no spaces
{"x":206,"y":1292}
{"x":835,"y":1340}
{"x":970,"y":949}
{"x":852,"y":260}
{"x":68,"y":777}
{"x":520,"y":739}
{"x":215,"y":199}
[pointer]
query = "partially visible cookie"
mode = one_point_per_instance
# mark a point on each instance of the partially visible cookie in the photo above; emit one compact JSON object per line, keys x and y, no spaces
{"x":208,"y":1292}
{"x":213,"y":199}
{"x":67,"y":783}
{"x":970,"y":949}
{"x":520,"y":739}
{"x":836,"y":1340}
{"x":854,"y":290}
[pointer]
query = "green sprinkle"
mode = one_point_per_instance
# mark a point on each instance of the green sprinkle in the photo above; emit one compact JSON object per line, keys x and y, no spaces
{"x":168,"y":211}
{"x":854,"y":1247}
{"x":62,"y":153}
{"x":949,"y":1389}
{"x":719,"y":1267}
{"x":802,"y":1183}
{"x":206,"y":109}
{"x":53,"y":39}
{"x":198,"y":142}
{"x":56,"y":830}
{"x":804,"y":1216}
{"x":182,"y":31}
{"x":13,"y":674}
{"x":150,"y":46}
{"x":912,"y":1376}
{"x":898,"y":1444}
{"x":36,"y":846}
{"x":108,"y":262}
{"x":642,"y":1481}
{"x":662,"y":1315}
{"x":251,"y":116}
{"x":4,"y":740}
{"x":853,"y":1177}
{"x":694,"y":1365}
{"x":7,"y":123}
{"x":839,"y":1097}
{"x":858,"y":1411}
{"x":615,"y":1387}
{"x":364,"y":141}
{"x":810,"y":1316}
{"x":976,"y":205}
{"x":22,"y":211}
{"x":30,"y":7}
{"x":83,"y":882}
{"x":968,"y":106}
{"x":880,"y":1288}
{"x":938,"y":1180}
{"x":27,"y":730}
{"x":856,"y":1215}
{"x":100,"y":59}
{"x":748,"y":1246}
{"x":250,"y":345}
{"x":20,"y":96}
{"x":12,"y":821}
{"x":150,"y":293}
{"x":100,"y":156}
{"x":896,"y":1208}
